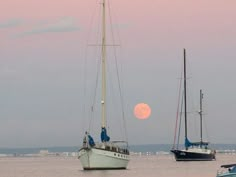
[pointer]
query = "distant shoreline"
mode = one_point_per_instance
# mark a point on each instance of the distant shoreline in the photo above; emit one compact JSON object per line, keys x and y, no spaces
{"x":151,"y":148}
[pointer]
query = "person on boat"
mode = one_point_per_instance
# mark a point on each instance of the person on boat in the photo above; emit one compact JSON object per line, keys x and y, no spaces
{"x":88,"y":140}
{"x":85,"y":140}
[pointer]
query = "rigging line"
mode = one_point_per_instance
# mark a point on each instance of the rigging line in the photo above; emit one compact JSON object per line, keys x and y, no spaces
{"x":85,"y":63}
{"x":117,"y":72}
{"x":205,"y":126}
{"x":95,"y":92}
{"x":180,"y":120}
{"x":93,"y":107}
{"x":113,"y":102}
{"x":193,"y":106}
{"x":98,"y":29}
{"x":177,"y":112}
{"x":191,"y":90}
{"x":196,"y":122}
{"x":110,"y":75}
{"x":114,"y":15}
{"x":92,"y":103}
{"x":204,"y":105}
{"x":112,"y":90}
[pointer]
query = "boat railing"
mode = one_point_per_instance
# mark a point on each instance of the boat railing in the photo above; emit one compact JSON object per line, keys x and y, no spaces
{"x":120,"y":142}
{"x":111,"y":146}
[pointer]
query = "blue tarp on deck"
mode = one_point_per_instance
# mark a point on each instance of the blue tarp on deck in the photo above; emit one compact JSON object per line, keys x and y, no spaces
{"x":104,"y":136}
{"x":188,"y":143}
{"x":91,"y":141}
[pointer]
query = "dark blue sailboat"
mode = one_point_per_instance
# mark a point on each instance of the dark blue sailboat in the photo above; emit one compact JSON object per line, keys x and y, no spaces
{"x":194,"y":151}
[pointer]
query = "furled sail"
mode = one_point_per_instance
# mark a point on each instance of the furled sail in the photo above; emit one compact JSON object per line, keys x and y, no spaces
{"x":104,"y":136}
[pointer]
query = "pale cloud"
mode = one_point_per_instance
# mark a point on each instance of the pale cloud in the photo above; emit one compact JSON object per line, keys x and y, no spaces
{"x":10,"y":23}
{"x":65,"y":24}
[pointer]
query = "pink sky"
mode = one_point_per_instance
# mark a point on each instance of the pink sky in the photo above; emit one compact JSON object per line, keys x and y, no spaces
{"x":36,"y":33}
{"x":149,"y":21}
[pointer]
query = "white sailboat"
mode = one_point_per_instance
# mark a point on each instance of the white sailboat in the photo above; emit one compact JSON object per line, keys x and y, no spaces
{"x":105,"y":154}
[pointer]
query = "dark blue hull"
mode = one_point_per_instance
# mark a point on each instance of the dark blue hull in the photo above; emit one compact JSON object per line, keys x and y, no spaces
{"x":192,"y":156}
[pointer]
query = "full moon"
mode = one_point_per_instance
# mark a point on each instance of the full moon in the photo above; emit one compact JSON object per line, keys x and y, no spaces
{"x":142,"y":111}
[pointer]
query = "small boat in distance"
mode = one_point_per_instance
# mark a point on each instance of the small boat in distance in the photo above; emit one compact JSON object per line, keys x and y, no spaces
{"x":227,"y":171}
{"x":194,"y":151}
{"x":106,"y":154}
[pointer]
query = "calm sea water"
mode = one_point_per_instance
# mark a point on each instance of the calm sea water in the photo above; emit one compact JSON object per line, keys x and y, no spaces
{"x":140,"y":166}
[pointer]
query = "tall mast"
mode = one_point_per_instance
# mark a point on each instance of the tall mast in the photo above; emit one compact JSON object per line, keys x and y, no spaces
{"x":103,"y":64}
{"x":185,"y":97}
{"x":200,"y":112}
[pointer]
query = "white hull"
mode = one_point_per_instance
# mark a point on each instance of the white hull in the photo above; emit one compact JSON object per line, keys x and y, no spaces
{"x":199,"y":150}
{"x":94,"y":158}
